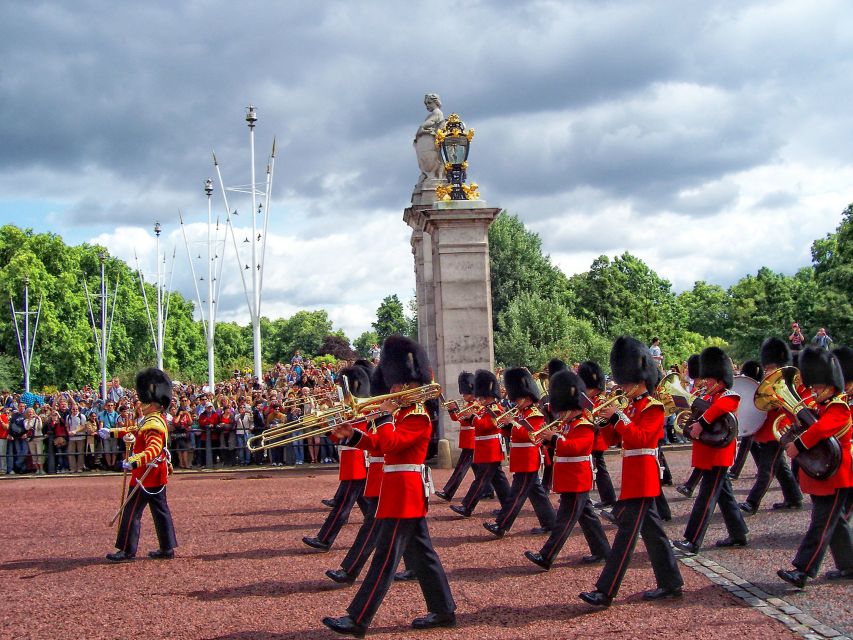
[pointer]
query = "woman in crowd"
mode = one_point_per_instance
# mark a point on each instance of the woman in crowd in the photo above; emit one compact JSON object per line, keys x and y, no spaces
{"x":75,"y":422}
{"x":35,"y":439}
{"x":180,"y":437}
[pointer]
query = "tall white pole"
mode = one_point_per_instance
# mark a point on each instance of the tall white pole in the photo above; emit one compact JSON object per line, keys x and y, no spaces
{"x":251,"y":119}
{"x":27,"y":333}
{"x":159,"y":340}
{"x":211,"y":290}
{"x":103,"y":257}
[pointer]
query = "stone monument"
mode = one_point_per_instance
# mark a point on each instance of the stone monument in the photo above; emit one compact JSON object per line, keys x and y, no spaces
{"x":451,"y":253}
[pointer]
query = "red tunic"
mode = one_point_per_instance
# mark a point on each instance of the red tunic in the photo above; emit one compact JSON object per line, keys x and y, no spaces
{"x":466,"y":429}
{"x":575,"y":475}
{"x":640,"y":430}
{"x":524,"y":456}
{"x":403,"y":442}
{"x":706,"y":457}
{"x":765,"y":433}
{"x":487,"y":437}
{"x":833,"y":416}
{"x":149,"y":444}
{"x":375,"y":462}
{"x":601,"y":440}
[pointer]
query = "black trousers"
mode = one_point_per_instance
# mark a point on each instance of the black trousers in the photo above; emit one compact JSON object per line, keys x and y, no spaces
{"x":667,"y":474}
{"x":524,"y":486}
{"x":575,"y":507}
{"x":746,"y":446}
{"x":693,"y":478}
{"x":548,"y":470}
{"x":773,"y":462}
{"x":407,"y":538}
{"x":484,"y":475}
{"x":351,"y":491}
{"x":714,"y":488}
{"x":365,"y":540}
{"x":662,"y":506}
{"x":602,"y":479}
{"x":127,"y":538}
{"x":466,"y":456}
{"x":634,"y":517}
{"x":828,"y":529}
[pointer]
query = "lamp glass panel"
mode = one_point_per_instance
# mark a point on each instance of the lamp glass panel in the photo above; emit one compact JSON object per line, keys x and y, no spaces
{"x":456,"y":149}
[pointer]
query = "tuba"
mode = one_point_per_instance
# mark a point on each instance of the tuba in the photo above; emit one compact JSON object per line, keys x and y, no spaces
{"x":688,"y":407}
{"x":778,"y":390}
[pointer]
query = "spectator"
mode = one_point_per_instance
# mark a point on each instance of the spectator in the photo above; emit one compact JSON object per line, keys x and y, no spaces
{"x":374,"y":352}
{"x":821,"y":339}
{"x":657,"y":354}
{"x":228,"y":433}
{"x":181,"y":426}
{"x":245,"y":423}
{"x":4,"y":435}
{"x":35,"y":439}
{"x":60,"y":442}
{"x":109,"y":420}
{"x":76,"y":425}
{"x":208,"y":422}
{"x":18,"y":441}
{"x":796,"y":339}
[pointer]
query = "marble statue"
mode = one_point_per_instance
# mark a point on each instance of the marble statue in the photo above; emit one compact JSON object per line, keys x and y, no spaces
{"x":429,"y":158}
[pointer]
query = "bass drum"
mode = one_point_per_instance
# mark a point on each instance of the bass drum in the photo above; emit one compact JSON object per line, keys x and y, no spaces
{"x":749,"y":417}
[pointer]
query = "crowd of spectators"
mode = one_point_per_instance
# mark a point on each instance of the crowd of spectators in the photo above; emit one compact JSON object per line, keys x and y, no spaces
{"x":58,"y":433}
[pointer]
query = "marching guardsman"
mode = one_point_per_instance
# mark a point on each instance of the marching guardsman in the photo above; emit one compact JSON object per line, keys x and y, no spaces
{"x":640,"y":427}
{"x":715,"y":488}
{"x":403,"y":437}
{"x":771,"y":461}
{"x":692,"y":385}
{"x":149,"y":471}
{"x":594,"y":381}
{"x":524,"y":456}
{"x":821,"y":371}
{"x":465,"y":417}
{"x":488,"y":452}
{"x":574,"y":442}
{"x":746,"y":445}
{"x":554,"y":365}
{"x":845,"y":359}
{"x":352,"y":473}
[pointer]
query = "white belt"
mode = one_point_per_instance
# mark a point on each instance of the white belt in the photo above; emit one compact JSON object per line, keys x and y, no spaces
{"x":572,"y":458}
{"x":515,"y":445}
{"x":494,"y":436}
{"x":630,"y":453}
{"x":466,"y":428}
{"x":373,"y":460}
{"x":345,"y":448}
{"x":391,"y":468}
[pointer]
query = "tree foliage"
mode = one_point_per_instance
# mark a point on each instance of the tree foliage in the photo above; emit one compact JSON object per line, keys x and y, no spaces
{"x":391,"y":319}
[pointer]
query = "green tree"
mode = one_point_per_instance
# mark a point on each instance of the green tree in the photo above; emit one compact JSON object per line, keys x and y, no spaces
{"x":304,"y":330}
{"x":363,"y":343}
{"x":706,"y":306}
{"x":390,"y":318}
{"x":337,"y":346}
{"x":832,"y":258}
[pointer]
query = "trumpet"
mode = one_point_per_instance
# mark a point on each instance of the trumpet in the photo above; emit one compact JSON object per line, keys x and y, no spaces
{"x":612,"y":399}
{"x":537,"y":432}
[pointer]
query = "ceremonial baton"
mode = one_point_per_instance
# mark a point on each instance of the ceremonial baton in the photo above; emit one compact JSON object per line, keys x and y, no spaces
{"x":133,"y":491}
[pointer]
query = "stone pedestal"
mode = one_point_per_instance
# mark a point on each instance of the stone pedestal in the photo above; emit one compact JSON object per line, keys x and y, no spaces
{"x":453,"y":291}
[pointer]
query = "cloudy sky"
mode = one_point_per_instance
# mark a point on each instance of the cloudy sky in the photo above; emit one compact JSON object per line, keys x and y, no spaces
{"x":708,"y":138}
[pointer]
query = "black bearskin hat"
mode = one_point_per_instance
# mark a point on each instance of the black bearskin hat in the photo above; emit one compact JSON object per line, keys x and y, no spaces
{"x":466,"y":383}
{"x":693,"y":366}
{"x":751,"y":369}
{"x":377,"y":383}
{"x":565,"y":389}
{"x":845,"y":359}
{"x":404,"y":361}
{"x":775,"y":351}
{"x":358,"y":380}
{"x":555,"y":365}
{"x":153,"y":385}
{"x":486,"y":384}
{"x":520,"y":383}
{"x":818,"y":366}
{"x":361,"y":362}
{"x":714,"y":363}
{"x":592,"y":375}
{"x":632,"y":362}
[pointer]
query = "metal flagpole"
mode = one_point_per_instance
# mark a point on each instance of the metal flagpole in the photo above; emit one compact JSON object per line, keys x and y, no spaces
{"x":211,"y":291}
{"x":26,"y":347}
{"x":159,"y":284}
{"x":251,"y":119}
{"x":103,"y":328}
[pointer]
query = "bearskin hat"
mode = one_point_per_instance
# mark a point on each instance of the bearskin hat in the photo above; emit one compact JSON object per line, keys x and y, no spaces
{"x":566,"y":389}
{"x":486,"y":384}
{"x":845,"y":359}
{"x":592,"y":375}
{"x":775,"y":351}
{"x":519,"y":383}
{"x":554,"y":365}
{"x":751,"y":369}
{"x":377,"y":383}
{"x":693,"y":366}
{"x":404,"y":361}
{"x":153,"y":385}
{"x":466,"y":383}
{"x":714,"y":363}
{"x":818,"y":366}
{"x":358,"y":380}
{"x":632,"y":362}
{"x":362,"y":362}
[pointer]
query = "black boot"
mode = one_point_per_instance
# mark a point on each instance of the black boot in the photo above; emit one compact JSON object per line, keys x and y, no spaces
{"x":462,"y":511}
{"x":316,"y":543}
{"x":537,"y":559}
{"x":443,"y":495}
{"x":405,"y":576}
{"x":788,"y":506}
{"x":432,"y":620}
{"x":491,"y":527}
{"x":119,"y":556}
{"x":345,"y":626}
{"x":162,"y":554}
{"x":686,"y":547}
{"x":793,"y":576}
{"x":847,"y":574}
{"x":661,"y":593}
{"x":596,"y":598}
{"x":748,"y":508}
{"x":592,"y":559}
{"x":731,"y":542}
{"x":329,"y":503}
{"x":340,"y":576}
